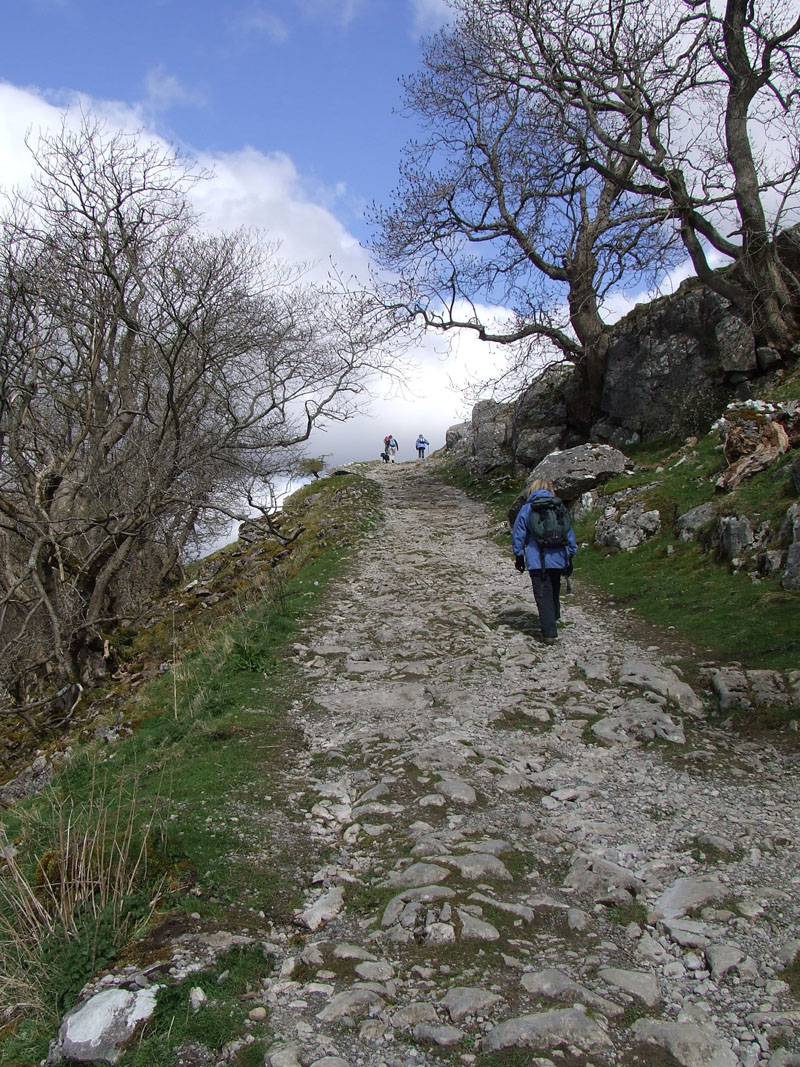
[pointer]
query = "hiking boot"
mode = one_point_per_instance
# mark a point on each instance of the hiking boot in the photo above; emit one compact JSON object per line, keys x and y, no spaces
{"x":549,"y":640}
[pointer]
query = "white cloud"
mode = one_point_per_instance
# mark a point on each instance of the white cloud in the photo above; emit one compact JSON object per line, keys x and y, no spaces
{"x":259,"y":19}
{"x":165,"y":91}
{"x":247,"y":188}
{"x":430,"y":15}
{"x":266,"y":191}
{"x":250,"y":188}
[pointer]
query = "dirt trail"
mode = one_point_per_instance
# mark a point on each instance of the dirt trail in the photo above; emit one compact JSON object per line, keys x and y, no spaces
{"x":545,"y":850}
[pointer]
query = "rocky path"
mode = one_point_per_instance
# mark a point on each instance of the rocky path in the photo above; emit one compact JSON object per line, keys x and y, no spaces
{"x":541,"y":850}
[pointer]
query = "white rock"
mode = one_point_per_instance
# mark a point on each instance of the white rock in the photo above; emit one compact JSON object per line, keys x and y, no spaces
{"x":548,"y":1030}
{"x":323,"y":910}
{"x":462,"y":1001}
{"x":97,"y":1028}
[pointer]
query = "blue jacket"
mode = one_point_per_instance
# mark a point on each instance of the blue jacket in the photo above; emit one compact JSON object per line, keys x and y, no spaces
{"x":525,"y":545}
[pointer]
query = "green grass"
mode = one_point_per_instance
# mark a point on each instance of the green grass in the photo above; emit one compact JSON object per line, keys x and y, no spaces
{"x":208,"y":764}
{"x":682,"y":588}
{"x":218,"y":1021}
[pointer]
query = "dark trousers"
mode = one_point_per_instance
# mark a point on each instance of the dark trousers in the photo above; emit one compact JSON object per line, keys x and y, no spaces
{"x":546,"y":589}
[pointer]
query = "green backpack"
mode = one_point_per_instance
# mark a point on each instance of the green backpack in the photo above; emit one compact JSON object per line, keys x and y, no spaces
{"x":549,"y":523}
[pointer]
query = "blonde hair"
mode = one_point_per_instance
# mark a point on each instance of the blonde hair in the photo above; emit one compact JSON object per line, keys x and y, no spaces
{"x":541,"y":483}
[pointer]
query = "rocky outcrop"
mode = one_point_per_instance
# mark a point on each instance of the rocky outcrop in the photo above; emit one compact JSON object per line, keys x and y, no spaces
{"x":576,"y":471}
{"x":673,"y":365}
{"x":522,"y":433}
{"x":539,"y":418}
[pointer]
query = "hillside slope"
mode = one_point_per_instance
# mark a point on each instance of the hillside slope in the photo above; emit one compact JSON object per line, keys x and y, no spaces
{"x":416,"y":836}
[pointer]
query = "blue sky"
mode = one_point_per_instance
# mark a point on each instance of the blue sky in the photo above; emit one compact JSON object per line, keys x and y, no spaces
{"x":314,"y":79}
{"x":293,"y":104}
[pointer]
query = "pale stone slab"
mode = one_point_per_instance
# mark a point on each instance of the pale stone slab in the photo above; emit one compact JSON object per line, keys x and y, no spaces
{"x":443,"y":1036}
{"x":474,"y":929}
{"x":457,"y":791}
{"x":97,"y":1029}
{"x":548,"y":1030}
{"x":416,"y":875}
{"x":352,"y":1003}
{"x":323,"y":910}
{"x":557,"y":985}
{"x":462,"y":1001}
{"x":639,"y":984}
{"x":690,"y":1044}
{"x":478,"y":867}
{"x":688,"y":893}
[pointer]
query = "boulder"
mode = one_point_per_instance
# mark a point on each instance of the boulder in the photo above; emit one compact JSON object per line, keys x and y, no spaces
{"x":790,"y":536}
{"x":539,"y":423}
{"x":626,"y":529}
{"x":489,"y":436}
{"x":458,"y":438}
{"x":32,"y":780}
{"x":691,"y":1040}
{"x":687,"y":526}
{"x":594,"y":876}
{"x":545,"y":1031}
{"x":735,"y":535}
{"x":97,"y":1030}
{"x":672,"y":365}
{"x":578,"y":470}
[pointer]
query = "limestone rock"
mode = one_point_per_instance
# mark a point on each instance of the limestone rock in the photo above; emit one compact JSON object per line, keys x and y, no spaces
{"x":443,"y":1036}
{"x":660,"y":679}
{"x":97,"y":1030}
{"x":593,"y":876}
{"x":687,"y":894}
{"x":688,"y":525}
{"x":548,"y":1030}
{"x":284,"y":1055}
{"x":478,"y":867}
{"x":557,"y":985}
{"x":577,"y":470}
{"x":790,"y":535}
{"x":475,"y":929}
{"x":32,"y":780}
{"x":456,"y":790}
{"x":418,"y":874}
{"x":463,"y":1001}
{"x":410,"y":1015}
{"x":639,"y":984}
{"x":356,"y":1003}
{"x":735,"y":534}
{"x":723,"y":958}
{"x":540,"y":416}
{"x":691,"y":1044}
{"x":323,"y":910}
{"x":626,"y":529}
{"x":669,"y":362}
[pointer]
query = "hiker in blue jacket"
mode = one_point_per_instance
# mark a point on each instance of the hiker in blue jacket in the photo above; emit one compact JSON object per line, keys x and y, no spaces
{"x":547,"y":561}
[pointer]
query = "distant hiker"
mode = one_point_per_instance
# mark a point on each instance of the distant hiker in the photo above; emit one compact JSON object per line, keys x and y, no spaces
{"x":390,"y":446}
{"x":421,"y":444}
{"x":543,"y":542}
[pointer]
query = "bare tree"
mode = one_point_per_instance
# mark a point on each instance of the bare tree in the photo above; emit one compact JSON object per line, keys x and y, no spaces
{"x":152,"y":376}
{"x":702,"y":99}
{"x":499,"y":203}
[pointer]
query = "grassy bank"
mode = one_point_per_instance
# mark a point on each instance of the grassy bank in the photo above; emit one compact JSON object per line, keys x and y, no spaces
{"x":183,"y":823}
{"x":683,"y":588}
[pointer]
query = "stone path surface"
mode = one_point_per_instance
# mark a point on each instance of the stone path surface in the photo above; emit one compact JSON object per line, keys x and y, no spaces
{"x":534,"y":855}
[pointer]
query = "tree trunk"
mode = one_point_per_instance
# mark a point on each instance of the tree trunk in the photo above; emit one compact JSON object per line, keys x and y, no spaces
{"x":775,"y":319}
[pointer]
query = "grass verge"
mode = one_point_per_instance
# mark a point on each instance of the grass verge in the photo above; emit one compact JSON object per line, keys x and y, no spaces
{"x":682,"y":588}
{"x":185,"y":821}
